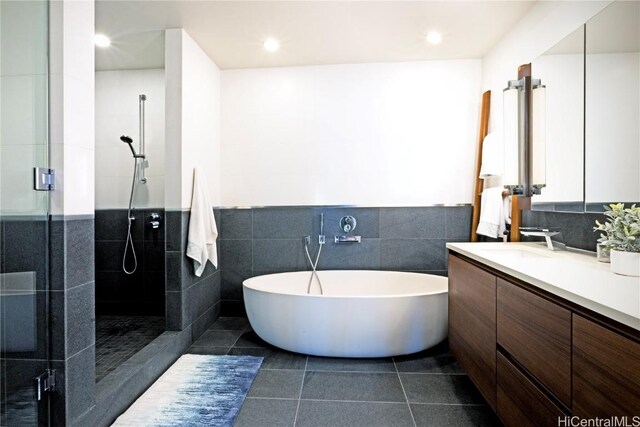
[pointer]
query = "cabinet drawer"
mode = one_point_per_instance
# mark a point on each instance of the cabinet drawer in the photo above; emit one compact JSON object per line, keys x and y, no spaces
{"x":606,"y":372}
{"x":520,"y":402}
{"x":472,"y":324}
{"x":536,"y":333}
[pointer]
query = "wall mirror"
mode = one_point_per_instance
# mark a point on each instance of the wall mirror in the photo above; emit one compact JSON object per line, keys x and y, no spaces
{"x":612,"y":106}
{"x":592,"y":80}
{"x":561,"y":70}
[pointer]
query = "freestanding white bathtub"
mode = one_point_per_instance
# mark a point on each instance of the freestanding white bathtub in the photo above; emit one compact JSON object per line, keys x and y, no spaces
{"x":360,"y":314}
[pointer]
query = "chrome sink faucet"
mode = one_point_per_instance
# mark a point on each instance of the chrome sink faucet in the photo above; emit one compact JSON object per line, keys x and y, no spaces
{"x":547,"y":233}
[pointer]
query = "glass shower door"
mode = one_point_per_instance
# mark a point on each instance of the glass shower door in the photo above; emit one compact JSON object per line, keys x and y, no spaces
{"x":24,"y":226}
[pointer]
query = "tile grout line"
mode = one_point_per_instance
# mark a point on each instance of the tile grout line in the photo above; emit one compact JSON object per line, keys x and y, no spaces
{"x":239,"y":336}
{"x":404,"y":393}
{"x":304,"y":374}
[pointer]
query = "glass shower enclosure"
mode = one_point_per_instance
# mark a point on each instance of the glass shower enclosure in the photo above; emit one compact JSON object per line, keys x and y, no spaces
{"x":24,"y":215}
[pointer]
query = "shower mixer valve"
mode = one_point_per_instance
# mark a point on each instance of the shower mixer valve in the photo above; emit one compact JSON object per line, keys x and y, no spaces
{"x":154,"y":220}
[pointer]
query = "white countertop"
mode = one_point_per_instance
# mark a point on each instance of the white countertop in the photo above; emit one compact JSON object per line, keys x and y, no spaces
{"x":574,"y":276}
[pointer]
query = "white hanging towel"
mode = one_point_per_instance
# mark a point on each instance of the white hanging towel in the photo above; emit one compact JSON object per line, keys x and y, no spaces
{"x":492,"y":218}
{"x":201,"y":242}
{"x":492,"y":156}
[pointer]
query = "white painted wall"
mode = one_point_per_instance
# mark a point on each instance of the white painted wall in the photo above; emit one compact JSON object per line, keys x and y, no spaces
{"x":613,"y":127}
{"x":393,"y":134}
{"x":71,"y":100}
{"x":192,"y":119}
{"x":117,"y":114}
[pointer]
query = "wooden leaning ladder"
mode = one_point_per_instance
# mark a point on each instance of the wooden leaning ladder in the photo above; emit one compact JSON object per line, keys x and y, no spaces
{"x":477,"y":188}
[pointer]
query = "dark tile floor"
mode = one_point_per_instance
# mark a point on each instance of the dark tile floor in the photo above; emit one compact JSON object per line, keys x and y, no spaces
{"x":425,"y":389}
{"x":120,"y":337}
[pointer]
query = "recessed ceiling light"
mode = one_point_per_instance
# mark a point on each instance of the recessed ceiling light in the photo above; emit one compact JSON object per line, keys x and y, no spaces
{"x":271,"y":45}
{"x":101,"y":40}
{"x":434,"y":37}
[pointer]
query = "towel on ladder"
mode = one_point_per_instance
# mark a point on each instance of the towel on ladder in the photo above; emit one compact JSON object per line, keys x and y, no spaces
{"x":492,"y":216}
{"x":201,"y":241}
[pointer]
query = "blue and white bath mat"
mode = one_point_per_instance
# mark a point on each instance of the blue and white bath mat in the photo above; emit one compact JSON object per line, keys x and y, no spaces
{"x":198,"y":390}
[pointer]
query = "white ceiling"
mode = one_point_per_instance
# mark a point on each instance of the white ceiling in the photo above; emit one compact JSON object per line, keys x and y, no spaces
{"x":310,"y":32}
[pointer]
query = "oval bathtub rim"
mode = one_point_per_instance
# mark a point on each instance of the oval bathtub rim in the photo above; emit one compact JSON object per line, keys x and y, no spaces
{"x":407,"y":295}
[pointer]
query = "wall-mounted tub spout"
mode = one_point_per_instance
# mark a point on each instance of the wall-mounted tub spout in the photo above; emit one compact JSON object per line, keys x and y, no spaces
{"x":348,"y":239}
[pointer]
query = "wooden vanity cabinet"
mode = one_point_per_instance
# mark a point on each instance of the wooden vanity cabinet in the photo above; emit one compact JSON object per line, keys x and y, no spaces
{"x":536,"y":333}
{"x":472,"y":324}
{"x":519,"y":399}
{"x":606,"y":372}
{"x":536,"y":357}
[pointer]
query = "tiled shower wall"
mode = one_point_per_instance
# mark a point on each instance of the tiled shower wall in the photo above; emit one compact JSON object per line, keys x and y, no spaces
{"x":140,"y":293}
{"x":193,"y":303}
{"x":270,"y":240}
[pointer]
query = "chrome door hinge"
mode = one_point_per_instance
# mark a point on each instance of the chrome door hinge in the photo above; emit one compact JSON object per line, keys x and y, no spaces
{"x":44,"y":179}
{"x":45,"y":383}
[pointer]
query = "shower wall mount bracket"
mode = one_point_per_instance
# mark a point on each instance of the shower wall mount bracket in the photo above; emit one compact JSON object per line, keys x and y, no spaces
{"x":44,"y":179}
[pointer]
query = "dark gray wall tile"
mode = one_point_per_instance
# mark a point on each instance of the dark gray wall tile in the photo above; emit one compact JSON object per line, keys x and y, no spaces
{"x":154,"y":255}
{"x":213,"y":338}
{"x":367,"y":222}
{"x":56,"y":255}
{"x":236,"y":224}
{"x":174,"y":266}
{"x":203,"y":295}
{"x":204,"y":322}
{"x":109,"y":255}
{"x":350,"y":256}
{"x":458,"y":220}
{"x":236,"y":254}
{"x":112,"y":224}
{"x":173,"y":231}
{"x":80,"y":382}
{"x":231,"y":283}
{"x":412,"y":223}
{"x":275,"y":256}
{"x":283,"y":223}
{"x":24,"y":249}
{"x":187,"y":277}
{"x":412,"y":254}
{"x":232,"y":308}
{"x":230,"y":324}
{"x":80,"y":319}
{"x":173,"y":311}
{"x":577,"y":228}
{"x":80,"y":252}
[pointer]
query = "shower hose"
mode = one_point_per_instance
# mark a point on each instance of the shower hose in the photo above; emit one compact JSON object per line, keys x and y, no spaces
{"x":129,"y":220}
{"x":313,"y":268}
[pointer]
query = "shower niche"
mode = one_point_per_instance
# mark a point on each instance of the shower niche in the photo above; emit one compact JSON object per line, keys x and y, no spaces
{"x":129,"y":200}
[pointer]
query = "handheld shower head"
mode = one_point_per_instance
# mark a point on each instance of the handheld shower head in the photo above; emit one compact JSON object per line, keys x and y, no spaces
{"x":128,"y":140}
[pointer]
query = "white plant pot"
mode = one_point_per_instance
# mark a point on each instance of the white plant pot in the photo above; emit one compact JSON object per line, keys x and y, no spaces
{"x":625,"y":263}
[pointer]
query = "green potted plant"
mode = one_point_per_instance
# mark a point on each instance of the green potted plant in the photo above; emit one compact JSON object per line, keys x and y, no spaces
{"x":621,"y":236}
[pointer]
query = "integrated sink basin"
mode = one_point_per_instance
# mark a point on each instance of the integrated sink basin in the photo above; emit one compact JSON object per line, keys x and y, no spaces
{"x":506,"y":250}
